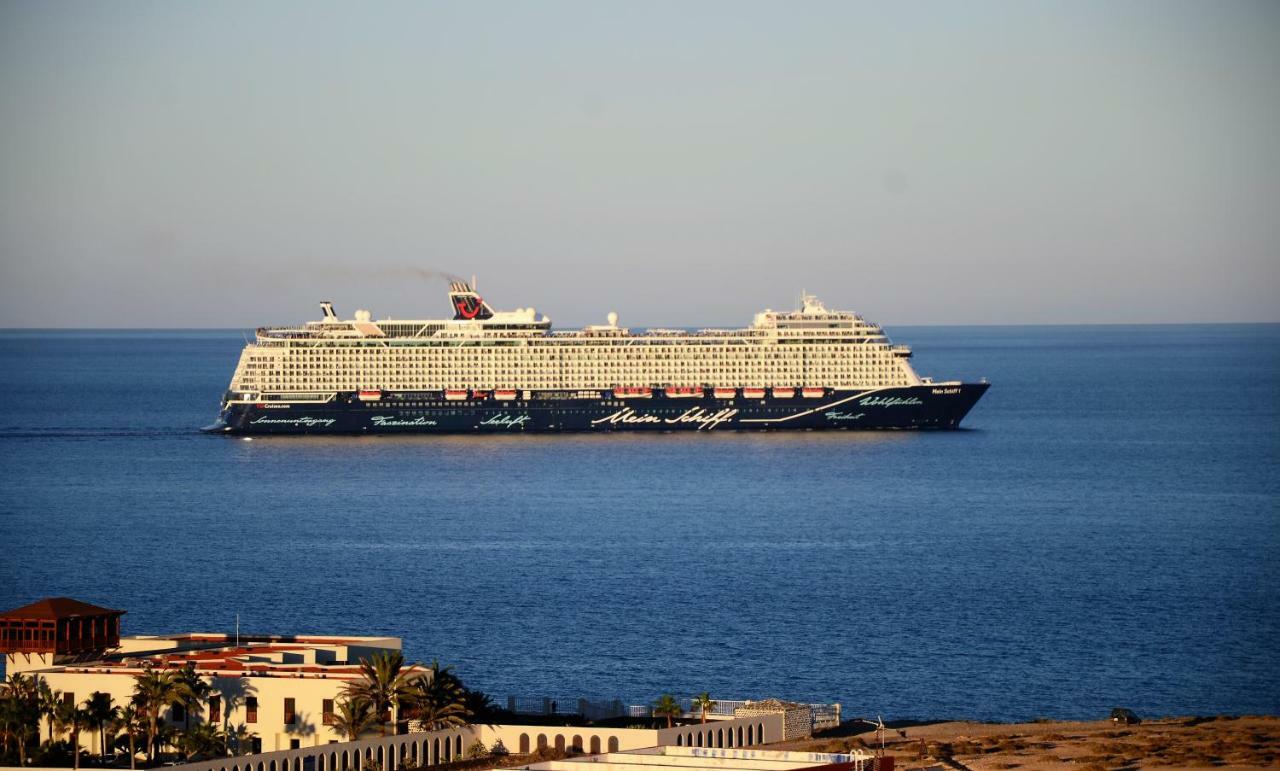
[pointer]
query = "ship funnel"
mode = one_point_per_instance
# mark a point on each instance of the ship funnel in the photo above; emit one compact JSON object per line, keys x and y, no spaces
{"x":326,"y":308}
{"x":467,"y":305}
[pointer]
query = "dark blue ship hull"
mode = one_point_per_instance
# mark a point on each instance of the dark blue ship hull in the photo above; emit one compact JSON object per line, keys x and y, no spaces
{"x":922,"y":406}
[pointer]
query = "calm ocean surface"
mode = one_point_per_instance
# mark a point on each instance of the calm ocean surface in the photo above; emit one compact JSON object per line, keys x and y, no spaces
{"x":1105,"y":532}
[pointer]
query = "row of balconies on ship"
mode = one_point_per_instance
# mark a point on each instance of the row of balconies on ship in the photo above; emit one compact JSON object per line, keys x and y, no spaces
{"x":551,"y":378}
{"x":471,"y":356}
{"x":580,"y":367}
{"x":842,"y":363}
{"x":530,"y":372}
{"x":552,"y":371}
{"x":726,"y":371}
{"x":427,"y":366}
{"x":489,"y":385}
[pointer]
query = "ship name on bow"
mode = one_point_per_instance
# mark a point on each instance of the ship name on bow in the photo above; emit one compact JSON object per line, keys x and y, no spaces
{"x":890,"y":401}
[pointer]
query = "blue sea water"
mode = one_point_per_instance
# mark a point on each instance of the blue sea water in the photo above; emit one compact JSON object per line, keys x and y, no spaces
{"x":1105,"y":531}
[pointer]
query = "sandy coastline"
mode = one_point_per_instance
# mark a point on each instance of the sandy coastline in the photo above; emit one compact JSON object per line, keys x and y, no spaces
{"x":1168,"y":743}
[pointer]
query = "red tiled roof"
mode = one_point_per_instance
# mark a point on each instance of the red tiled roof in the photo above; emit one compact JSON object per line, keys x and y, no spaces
{"x":58,"y":607}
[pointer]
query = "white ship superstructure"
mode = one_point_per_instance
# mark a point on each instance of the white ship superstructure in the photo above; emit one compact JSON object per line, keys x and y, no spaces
{"x":518,"y":350}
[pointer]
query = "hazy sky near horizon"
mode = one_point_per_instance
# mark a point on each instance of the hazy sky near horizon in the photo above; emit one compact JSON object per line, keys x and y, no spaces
{"x":231,"y":163}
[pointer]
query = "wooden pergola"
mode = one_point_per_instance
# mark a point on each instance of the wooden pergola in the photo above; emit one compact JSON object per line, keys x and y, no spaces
{"x":61,"y":626}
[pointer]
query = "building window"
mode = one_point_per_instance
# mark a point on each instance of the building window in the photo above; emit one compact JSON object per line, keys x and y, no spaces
{"x":177,"y":713}
{"x":294,"y":744}
{"x":290,"y":715}
{"x":69,"y":697}
{"x":215,"y":709}
{"x":255,"y":744}
{"x":251,"y":709}
{"x":326,"y":710}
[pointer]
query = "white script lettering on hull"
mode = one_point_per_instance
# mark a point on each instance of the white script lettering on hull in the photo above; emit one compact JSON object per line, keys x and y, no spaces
{"x":835,"y":415}
{"x":293,"y":421}
{"x":704,"y":418}
{"x":890,"y":401}
{"x":502,"y":419}
{"x":391,"y":420}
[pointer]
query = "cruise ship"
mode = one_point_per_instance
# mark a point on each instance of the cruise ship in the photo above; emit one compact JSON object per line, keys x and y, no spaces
{"x":487,"y":371}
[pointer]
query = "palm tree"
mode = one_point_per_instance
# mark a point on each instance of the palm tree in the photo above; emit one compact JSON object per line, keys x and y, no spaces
{"x":704,"y":702}
{"x":47,"y":700}
{"x":9,"y":719}
{"x":194,"y":692}
{"x":384,"y":683}
{"x":167,"y":736}
{"x":153,"y":690}
{"x":352,"y":717}
{"x":444,"y":676}
{"x":132,"y":721}
{"x":17,"y":723}
{"x":205,"y":739}
{"x":20,"y":686}
{"x":479,"y":706}
{"x":77,"y":719}
{"x":102,"y":712}
{"x":238,"y":737}
{"x":440,"y":699}
{"x":440,"y":704}
{"x":62,"y":717}
{"x":667,"y":707}
{"x":19,"y":711}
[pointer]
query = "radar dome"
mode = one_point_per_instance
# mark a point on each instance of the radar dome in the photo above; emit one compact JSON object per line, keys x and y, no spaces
{"x":362,"y":315}
{"x":613,"y":318}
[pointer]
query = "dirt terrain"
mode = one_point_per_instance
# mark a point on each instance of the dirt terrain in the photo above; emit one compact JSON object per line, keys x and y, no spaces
{"x":1166,"y":744}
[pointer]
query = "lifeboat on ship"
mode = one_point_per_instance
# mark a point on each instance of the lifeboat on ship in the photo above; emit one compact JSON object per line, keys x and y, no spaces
{"x":633,"y":393}
{"x":753,"y":393}
{"x":682,"y":393}
{"x":813,"y":392}
{"x":480,"y":394}
{"x":784,"y":393}
{"x":504,"y":394}
{"x":725,"y":393}
{"x":369,"y":395}
{"x":455,"y":394}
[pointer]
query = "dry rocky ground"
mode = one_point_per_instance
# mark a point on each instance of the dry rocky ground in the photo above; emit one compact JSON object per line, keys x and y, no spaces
{"x":1165,"y":744}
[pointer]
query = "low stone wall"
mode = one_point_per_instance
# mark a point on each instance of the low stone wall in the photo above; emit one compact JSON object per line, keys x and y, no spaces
{"x":744,"y":731}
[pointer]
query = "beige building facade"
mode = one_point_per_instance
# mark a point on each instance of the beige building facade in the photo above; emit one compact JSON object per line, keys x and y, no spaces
{"x":282,"y":690}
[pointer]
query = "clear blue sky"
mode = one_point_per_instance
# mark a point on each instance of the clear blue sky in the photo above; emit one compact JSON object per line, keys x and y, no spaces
{"x":229,"y":164}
